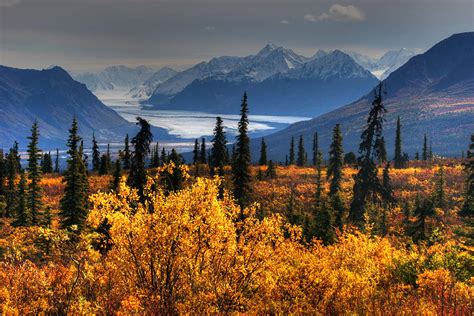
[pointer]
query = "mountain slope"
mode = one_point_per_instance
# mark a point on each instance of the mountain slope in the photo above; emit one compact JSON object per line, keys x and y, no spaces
{"x":145,"y":90}
{"x":433,"y":93}
{"x":306,"y":89}
{"x":53,"y":98}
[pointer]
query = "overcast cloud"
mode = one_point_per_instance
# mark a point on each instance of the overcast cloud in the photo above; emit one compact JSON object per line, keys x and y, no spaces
{"x":91,"y":34}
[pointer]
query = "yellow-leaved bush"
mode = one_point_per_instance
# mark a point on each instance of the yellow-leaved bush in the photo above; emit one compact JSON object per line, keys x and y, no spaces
{"x":187,"y":252}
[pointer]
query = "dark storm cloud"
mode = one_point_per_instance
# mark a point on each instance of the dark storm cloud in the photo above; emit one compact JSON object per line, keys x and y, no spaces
{"x":85,"y":34}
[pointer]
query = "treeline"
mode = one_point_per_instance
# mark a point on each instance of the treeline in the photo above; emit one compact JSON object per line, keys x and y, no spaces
{"x":21,"y":193}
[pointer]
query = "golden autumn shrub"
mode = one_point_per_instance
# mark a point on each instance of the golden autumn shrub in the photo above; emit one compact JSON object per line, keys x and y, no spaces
{"x":185,"y":252}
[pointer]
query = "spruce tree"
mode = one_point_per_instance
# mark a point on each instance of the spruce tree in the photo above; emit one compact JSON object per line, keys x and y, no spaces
{"x":196,"y":152}
{"x":292,"y":151}
{"x":271,"y":171}
{"x":103,"y":169}
{"x":74,"y":203}
{"x":155,"y":157}
{"x":439,"y":194}
{"x":423,"y":211}
{"x":16,"y":154}
{"x":163,"y":156}
{"x":263,"y":153}
{"x":137,"y":177}
{"x":95,"y":154}
{"x":218,"y":151}
{"x":398,"y":160}
{"x":319,"y":179}
{"x":323,"y":219}
{"x":424,"y":154}
{"x":241,"y":166}
{"x":126,"y":159}
{"x":368,"y":187}
{"x":350,"y":159}
{"x":117,"y":175}
{"x":334,"y":172}
{"x":22,"y":215}
{"x":301,"y":157}
{"x":35,"y":192}
{"x":56,"y":162}
{"x":203,"y":155}
{"x":315,"y":148}
{"x":336,"y":161}
{"x":109,"y":158}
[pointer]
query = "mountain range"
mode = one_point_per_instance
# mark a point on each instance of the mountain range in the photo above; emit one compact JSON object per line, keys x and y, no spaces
{"x":276,"y":78}
{"x":222,"y":77}
{"x":53,"y":97}
{"x":433,"y":94}
{"x":306,"y":89}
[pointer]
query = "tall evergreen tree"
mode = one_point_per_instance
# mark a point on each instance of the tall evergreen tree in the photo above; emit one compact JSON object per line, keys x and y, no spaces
{"x":16,"y":154}
{"x":22,"y":214}
{"x":163,"y":156}
{"x":203,"y":155}
{"x":35,"y":192}
{"x":336,"y":161}
{"x":137,"y":177}
{"x":241,"y":166}
{"x":95,"y":154}
{"x":218,"y":151}
{"x":271,"y":170}
{"x":439,"y":194}
{"x":398,"y":160}
{"x":292,"y":151}
{"x":315,"y":148}
{"x":368,"y":187}
{"x":423,"y":211}
{"x":56,"y":162}
{"x":319,"y":179}
{"x":109,"y":158}
{"x":323,"y":219}
{"x":301,"y":157}
{"x":334,"y":172}
{"x":196,"y":152}
{"x":155,"y":157}
{"x":424,"y":154}
{"x":46,"y":163}
{"x":74,"y":202}
{"x":117,"y":175}
{"x":104,"y":168}
{"x":126,"y":159}
{"x":263,"y":153}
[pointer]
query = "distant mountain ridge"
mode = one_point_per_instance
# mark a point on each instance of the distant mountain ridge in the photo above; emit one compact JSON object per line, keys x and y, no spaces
{"x":53,"y":98}
{"x":433,"y":93}
{"x":279,"y":81}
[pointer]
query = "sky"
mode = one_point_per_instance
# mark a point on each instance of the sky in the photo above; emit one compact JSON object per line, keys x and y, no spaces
{"x":88,"y":35}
